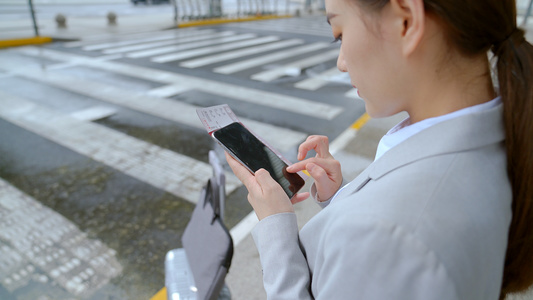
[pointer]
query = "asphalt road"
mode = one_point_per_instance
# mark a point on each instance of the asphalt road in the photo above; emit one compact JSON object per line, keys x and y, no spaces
{"x":102,"y":155}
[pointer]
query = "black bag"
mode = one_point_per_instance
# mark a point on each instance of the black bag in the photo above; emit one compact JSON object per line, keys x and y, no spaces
{"x":207,"y":242}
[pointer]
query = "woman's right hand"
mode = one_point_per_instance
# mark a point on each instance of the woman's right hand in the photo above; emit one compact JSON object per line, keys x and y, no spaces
{"x":325,"y":170}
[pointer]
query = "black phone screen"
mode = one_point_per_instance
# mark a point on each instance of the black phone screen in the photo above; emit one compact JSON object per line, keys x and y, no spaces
{"x":255,"y":155}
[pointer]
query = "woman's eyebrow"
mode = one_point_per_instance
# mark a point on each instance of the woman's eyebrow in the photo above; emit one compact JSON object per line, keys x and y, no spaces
{"x":330,"y":16}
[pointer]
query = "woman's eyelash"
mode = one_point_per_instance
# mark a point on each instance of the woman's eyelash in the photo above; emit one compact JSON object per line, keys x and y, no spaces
{"x":337,"y":39}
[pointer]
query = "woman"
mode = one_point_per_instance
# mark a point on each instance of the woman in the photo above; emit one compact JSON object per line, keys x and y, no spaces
{"x":444,"y":212}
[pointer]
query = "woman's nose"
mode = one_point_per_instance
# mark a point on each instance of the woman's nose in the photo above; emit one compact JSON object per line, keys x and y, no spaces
{"x":341,"y":64}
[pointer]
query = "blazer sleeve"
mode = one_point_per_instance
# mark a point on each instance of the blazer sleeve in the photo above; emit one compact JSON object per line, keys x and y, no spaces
{"x":314,"y":194}
{"x":370,"y":260}
{"x":285,"y":271}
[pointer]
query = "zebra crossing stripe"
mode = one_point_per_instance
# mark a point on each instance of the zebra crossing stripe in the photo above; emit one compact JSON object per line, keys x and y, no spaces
{"x":94,"y":113}
{"x":168,"y":90}
{"x":150,"y":38}
{"x":314,"y":83}
{"x":215,"y":49}
{"x":264,"y":98}
{"x":170,"y":41}
{"x":290,"y":25}
{"x":259,"y":61}
{"x":107,"y":38}
{"x":281,"y":138}
{"x":200,"y":42}
{"x":177,"y":174}
{"x":276,"y":73}
{"x":175,"y":56}
{"x":203,"y":61}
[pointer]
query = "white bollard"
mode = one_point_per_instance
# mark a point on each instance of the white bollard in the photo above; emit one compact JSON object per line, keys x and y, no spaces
{"x":111,"y":18}
{"x":61,"y":21}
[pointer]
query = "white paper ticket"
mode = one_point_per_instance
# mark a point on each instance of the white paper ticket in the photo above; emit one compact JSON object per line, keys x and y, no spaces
{"x":216,"y":117}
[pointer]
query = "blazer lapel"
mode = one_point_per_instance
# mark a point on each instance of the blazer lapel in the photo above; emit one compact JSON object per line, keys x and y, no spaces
{"x":459,"y":134}
{"x":355,"y":185}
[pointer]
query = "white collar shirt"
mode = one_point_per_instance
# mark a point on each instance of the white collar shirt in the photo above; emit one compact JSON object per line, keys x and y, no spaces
{"x":404,"y":130}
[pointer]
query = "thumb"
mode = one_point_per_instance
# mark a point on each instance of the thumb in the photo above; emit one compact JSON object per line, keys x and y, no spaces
{"x":262,"y":176}
{"x":299,"y":197}
{"x":264,"y":180}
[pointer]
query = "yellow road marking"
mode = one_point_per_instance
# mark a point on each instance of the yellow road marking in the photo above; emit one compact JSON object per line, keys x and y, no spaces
{"x":161,"y":295}
{"x":360,"y":122}
{"x":223,"y":21}
{"x":23,"y":42}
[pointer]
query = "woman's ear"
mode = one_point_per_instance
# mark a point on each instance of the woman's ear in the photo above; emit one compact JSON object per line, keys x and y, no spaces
{"x":411,"y":16}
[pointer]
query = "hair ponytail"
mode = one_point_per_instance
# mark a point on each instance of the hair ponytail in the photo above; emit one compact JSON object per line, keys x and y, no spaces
{"x":515,"y":78}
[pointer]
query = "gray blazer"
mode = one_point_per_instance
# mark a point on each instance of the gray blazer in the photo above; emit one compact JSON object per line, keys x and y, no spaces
{"x":428,"y":220}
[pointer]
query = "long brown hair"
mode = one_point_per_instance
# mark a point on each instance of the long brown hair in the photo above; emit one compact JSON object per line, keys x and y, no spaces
{"x":474,"y":27}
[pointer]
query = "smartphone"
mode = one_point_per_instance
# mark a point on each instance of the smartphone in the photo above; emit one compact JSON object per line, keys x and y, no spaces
{"x":246,"y":148}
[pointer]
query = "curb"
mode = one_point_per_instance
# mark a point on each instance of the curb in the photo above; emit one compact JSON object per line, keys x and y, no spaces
{"x":348,"y":135}
{"x":23,"y":42}
{"x":208,"y":22}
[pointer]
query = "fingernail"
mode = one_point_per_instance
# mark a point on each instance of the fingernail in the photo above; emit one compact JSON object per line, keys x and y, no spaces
{"x":310,"y":167}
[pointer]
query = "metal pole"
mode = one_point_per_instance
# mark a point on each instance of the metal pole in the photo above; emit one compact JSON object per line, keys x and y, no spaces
{"x":215,"y":8}
{"x":527,"y":13}
{"x":191,"y":9}
{"x":33,"y":18}
{"x":199,"y":8}
{"x":174,"y":2}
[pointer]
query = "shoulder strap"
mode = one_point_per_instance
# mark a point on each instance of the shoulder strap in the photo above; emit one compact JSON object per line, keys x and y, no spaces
{"x":211,"y":197}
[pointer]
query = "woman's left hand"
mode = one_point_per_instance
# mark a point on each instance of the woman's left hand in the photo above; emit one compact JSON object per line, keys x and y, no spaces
{"x":264,"y":194}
